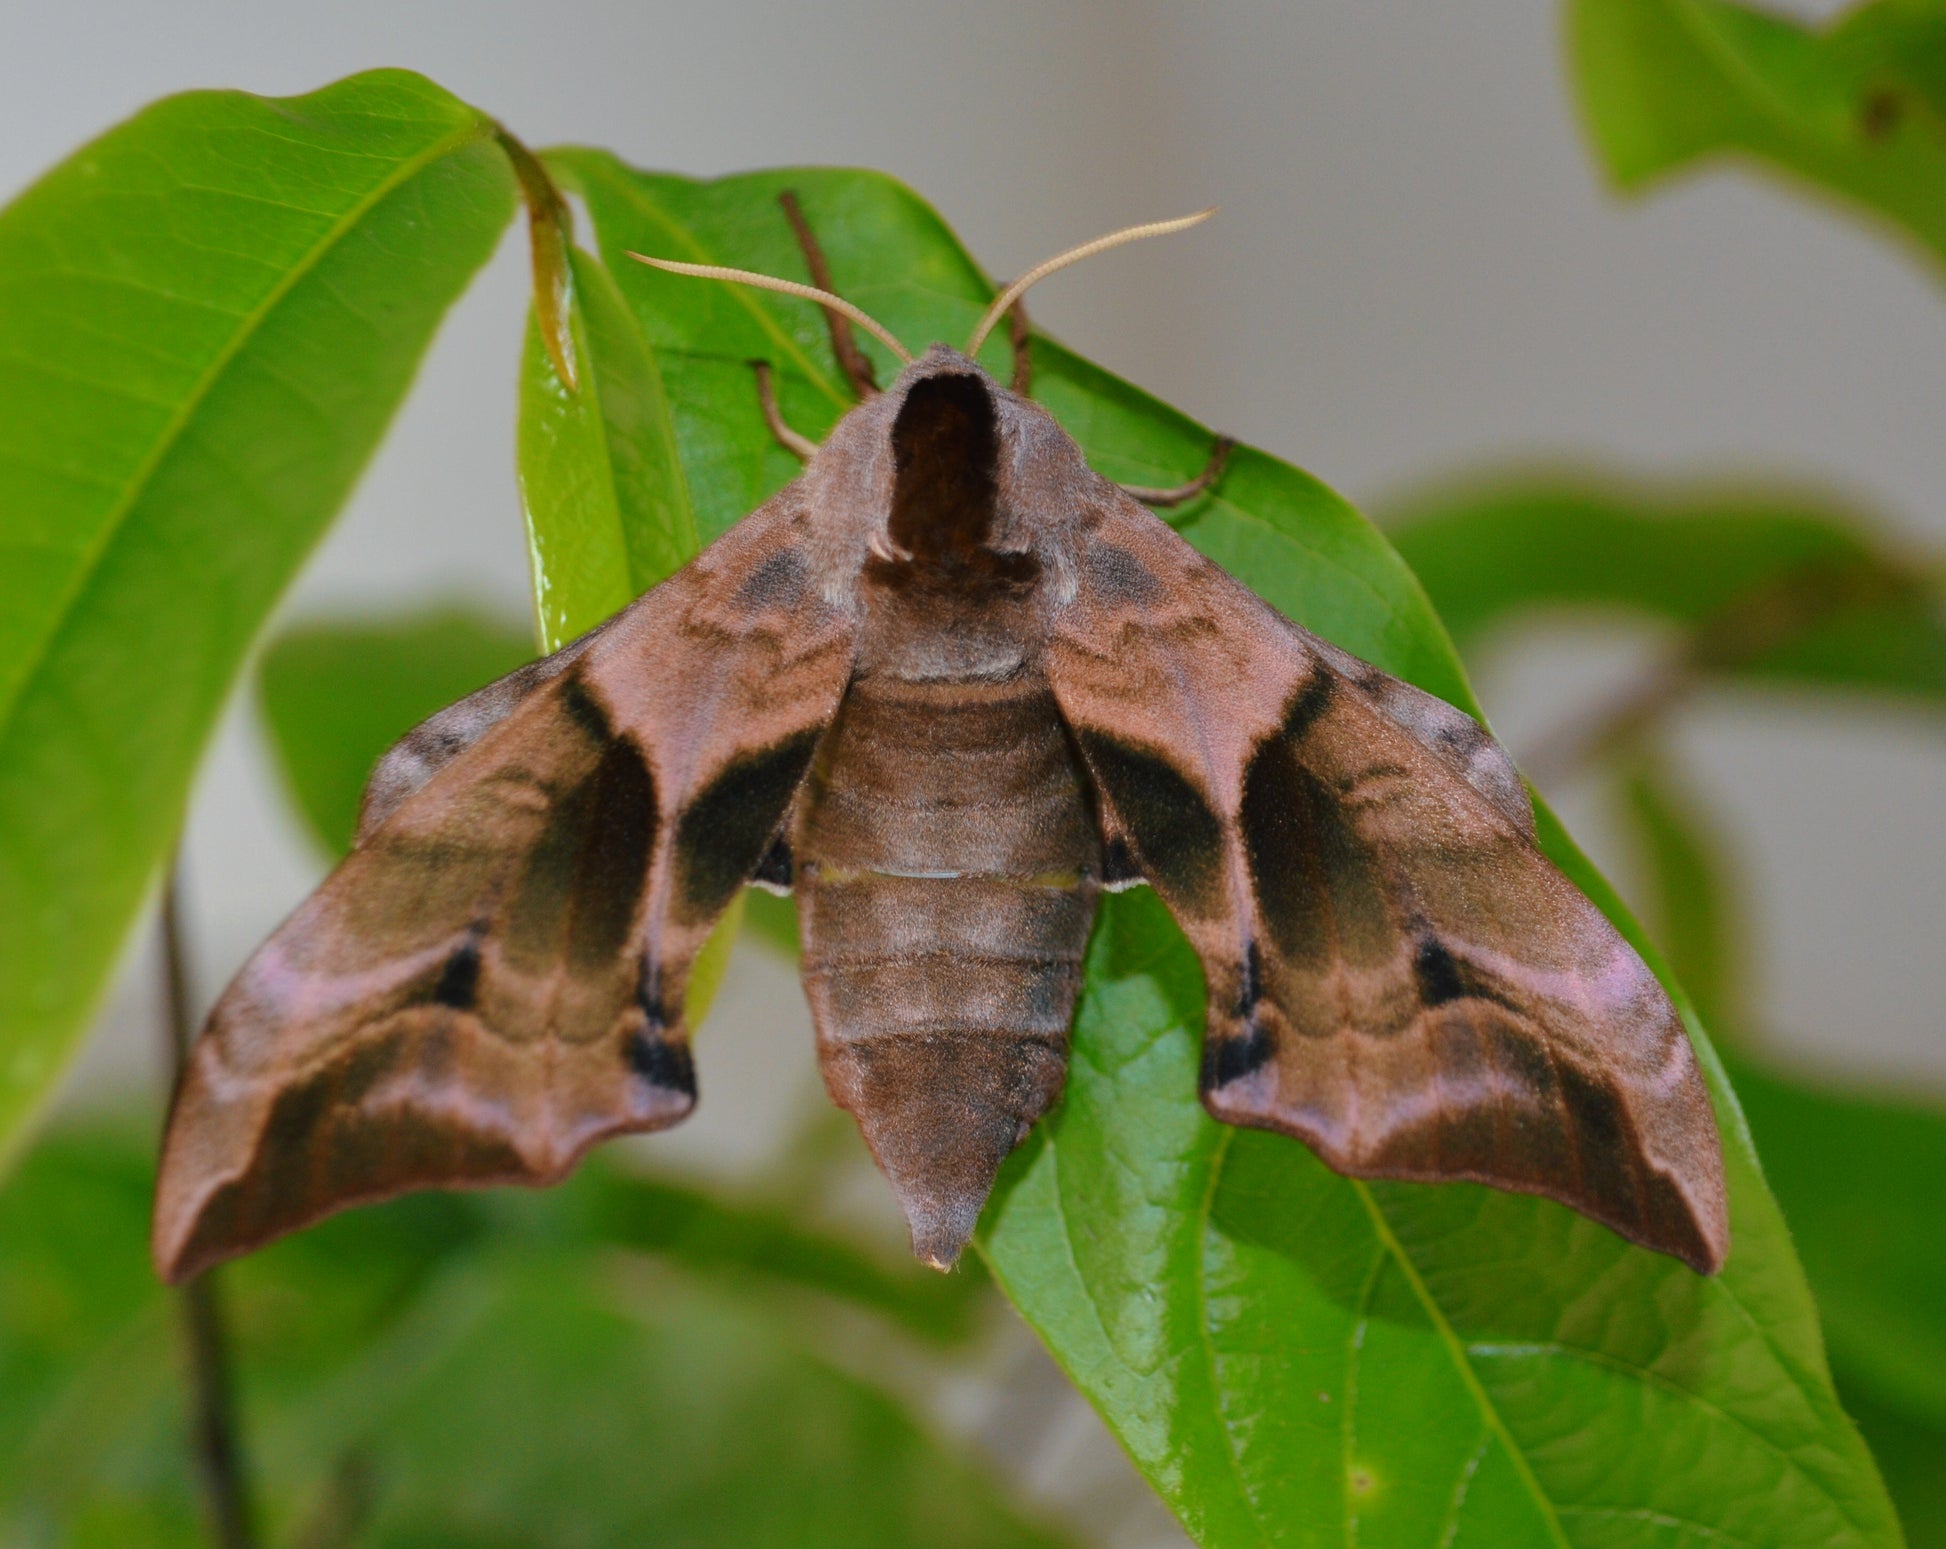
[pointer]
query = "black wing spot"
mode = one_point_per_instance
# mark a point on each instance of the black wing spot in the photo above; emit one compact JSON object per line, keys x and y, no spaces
{"x":1308,"y":703}
{"x":1120,"y":578}
{"x":1231,"y":1058}
{"x":1442,"y":978}
{"x":612,"y":869}
{"x":776,"y":583}
{"x":777,"y":869}
{"x":1604,"y":1143}
{"x":1321,"y":889}
{"x":1250,"y":983}
{"x":1437,"y":973}
{"x":1118,"y":867}
{"x":1176,"y":836}
{"x":662,"y":1062}
{"x":585,"y":710}
{"x":459,"y":980}
{"x":725,"y":831}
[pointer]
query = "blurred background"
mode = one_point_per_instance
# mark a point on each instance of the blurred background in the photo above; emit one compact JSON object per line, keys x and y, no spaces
{"x":1416,"y":276}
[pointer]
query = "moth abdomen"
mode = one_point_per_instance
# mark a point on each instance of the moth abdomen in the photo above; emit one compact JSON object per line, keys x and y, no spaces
{"x":948,"y":864}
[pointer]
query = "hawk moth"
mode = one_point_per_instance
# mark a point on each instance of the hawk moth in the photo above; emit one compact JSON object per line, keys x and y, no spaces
{"x":947,"y":686}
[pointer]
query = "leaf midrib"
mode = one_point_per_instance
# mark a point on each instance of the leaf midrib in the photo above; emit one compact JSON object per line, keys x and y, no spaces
{"x":1456,"y":1350}
{"x":249,"y":325}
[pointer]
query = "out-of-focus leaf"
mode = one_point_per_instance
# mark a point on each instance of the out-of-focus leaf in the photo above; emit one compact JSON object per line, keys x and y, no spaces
{"x":543,"y":1408}
{"x":207,"y":317}
{"x":1290,"y":1357}
{"x":336,"y":694}
{"x":1911,"y":1455}
{"x":1855,"y":108}
{"x":1859,"y":1179}
{"x":758,"y":1242}
{"x":485,"y":1360}
{"x":1772,"y":587}
{"x":1689,"y":905}
{"x":1854,"y":1174}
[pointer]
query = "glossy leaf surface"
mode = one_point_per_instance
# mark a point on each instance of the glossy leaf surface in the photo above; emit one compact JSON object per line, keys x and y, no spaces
{"x":1853,"y":108}
{"x":1290,"y":1357}
{"x":207,"y":317}
{"x":607,"y":509}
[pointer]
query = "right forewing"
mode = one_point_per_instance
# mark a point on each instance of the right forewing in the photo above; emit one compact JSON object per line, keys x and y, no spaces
{"x":1397,"y":975}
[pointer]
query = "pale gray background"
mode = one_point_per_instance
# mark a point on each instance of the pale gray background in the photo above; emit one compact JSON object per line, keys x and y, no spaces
{"x":1415,"y":270}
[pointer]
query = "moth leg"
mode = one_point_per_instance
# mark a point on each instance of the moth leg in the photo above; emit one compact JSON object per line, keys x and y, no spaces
{"x":800,"y":447}
{"x":853,"y":361}
{"x":1181,"y":493}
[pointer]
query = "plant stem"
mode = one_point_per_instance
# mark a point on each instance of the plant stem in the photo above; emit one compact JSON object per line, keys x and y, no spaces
{"x":219,"y":1455}
{"x":1577,"y":745}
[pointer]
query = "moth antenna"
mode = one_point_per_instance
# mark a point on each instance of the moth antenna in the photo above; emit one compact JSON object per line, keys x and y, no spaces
{"x":1074,"y":255}
{"x":785,"y":287}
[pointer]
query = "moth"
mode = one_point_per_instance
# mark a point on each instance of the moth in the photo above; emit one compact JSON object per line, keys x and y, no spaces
{"x":948,"y":687}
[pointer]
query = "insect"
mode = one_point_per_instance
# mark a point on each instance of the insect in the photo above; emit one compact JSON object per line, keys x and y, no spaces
{"x":947,"y":686}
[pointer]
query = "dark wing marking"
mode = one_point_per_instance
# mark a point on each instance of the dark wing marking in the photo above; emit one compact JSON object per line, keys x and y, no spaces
{"x":493,"y":979}
{"x":1397,"y":975}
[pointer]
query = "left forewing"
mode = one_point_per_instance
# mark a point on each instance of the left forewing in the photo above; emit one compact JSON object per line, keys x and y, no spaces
{"x":1397,"y":975}
{"x":493,"y":979}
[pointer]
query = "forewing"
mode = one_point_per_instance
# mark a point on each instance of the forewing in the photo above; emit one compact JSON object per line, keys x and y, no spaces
{"x":1397,"y":976}
{"x":493,"y":979}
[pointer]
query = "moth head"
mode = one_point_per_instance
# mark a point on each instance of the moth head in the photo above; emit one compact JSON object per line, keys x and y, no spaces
{"x":937,"y":473}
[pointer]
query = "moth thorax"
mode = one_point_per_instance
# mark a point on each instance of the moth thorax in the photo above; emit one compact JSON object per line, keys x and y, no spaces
{"x":946,"y":489}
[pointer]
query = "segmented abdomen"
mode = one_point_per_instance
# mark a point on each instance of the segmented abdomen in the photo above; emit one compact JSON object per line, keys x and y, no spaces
{"x":947,"y":868}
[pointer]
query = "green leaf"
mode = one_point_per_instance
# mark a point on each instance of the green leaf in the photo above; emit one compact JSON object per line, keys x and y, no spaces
{"x":1854,"y":109}
{"x":1912,"y":1456}
{"x":1853,"y":1173}
{"x":335,"y":695}
{"x":1689,"y":903}
{"x":758,"y":1242}
{"x":1290,"y":1357}
{"x":207,"y":317}
{"x":607,"y":511}
{"x":1771,"y":586}
{"x":506,"y":1375}
{"x":662,"y":1418}
{"x":1859,"y":1179}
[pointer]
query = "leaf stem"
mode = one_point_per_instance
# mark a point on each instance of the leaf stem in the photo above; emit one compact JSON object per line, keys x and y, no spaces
{"x":1769,"y":616}
{"x":219,"y":1453}
{"x":550,"y":234}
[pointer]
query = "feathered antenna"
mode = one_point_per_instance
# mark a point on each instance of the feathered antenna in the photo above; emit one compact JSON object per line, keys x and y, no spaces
{"x":786,"y":287}
{"x":1074,"y":255}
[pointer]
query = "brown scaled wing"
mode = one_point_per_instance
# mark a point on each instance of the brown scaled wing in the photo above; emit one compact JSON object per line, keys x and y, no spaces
{"x":493,"y":979}
{"x":1397,"y":975}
